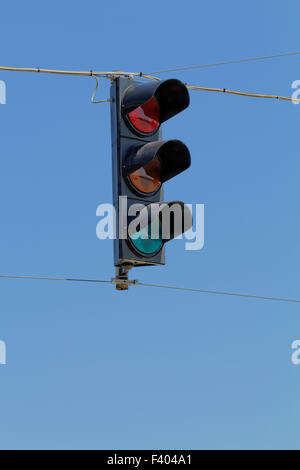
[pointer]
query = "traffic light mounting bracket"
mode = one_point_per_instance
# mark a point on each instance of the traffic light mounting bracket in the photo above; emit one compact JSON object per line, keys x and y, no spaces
{"x":121,"y":280}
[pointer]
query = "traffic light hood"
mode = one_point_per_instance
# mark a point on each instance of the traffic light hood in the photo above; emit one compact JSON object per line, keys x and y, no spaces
{"x":172,"y":97}
{"x":171,"y":219}
{"x":174,"y":157}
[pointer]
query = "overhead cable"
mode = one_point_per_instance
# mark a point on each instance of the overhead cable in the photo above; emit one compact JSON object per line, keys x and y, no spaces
{"x":228,"y":62}
{"x":116,"y":73}
{"x":161,"y":286}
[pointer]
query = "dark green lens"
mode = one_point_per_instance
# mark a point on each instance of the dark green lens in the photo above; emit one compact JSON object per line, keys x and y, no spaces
{"x":144,"y":243}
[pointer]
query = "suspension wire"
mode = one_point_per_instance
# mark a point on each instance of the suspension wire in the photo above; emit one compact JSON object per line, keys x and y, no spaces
{"x":161,"y":286}
{"x":84,"y":73}
{"x":243,"y":93}
{"x":204,"y":291}
{"x":118,"y":73}
{"x":228,"y":62}
{"x":8,"y":276}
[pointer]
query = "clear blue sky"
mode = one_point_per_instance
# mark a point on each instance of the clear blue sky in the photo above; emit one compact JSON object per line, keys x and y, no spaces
{"x":89,"y":367}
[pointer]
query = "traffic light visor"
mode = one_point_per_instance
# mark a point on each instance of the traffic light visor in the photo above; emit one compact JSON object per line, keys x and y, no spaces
{"x":146,"y":106}
{"x":149,"y":165}
{"x":157,"y":224}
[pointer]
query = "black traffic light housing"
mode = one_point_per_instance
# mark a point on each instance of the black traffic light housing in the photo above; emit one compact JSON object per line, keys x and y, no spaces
{"x":142,"y":162}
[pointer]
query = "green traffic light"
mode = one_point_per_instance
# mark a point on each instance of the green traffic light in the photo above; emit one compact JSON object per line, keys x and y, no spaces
{"x":143,"y":242}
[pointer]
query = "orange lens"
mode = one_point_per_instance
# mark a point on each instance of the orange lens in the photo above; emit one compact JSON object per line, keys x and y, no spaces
{"x":147,"y":178}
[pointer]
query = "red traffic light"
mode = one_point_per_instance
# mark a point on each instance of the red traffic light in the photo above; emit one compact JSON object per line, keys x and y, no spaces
{"x":146,"y":117}
{"x":146,"y":106}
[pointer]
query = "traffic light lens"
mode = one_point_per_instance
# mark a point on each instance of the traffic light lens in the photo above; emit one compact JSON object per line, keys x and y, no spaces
{"x":146,"y":118}
{"x":143,"y":242}
{"x":147,"y":179}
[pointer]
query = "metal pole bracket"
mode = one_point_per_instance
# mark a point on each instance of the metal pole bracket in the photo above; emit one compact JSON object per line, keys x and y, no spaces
{"x":121,"y":280}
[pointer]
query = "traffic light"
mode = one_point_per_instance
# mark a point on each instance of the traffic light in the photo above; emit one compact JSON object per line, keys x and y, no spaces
{"x":142,"y":163}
